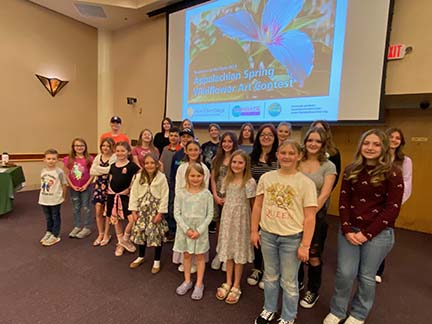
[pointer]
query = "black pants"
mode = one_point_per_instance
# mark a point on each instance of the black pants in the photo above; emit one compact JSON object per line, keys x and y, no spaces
{"x":316,"y":250}
{"x":381,"y":269}
{"x":142,"y":250}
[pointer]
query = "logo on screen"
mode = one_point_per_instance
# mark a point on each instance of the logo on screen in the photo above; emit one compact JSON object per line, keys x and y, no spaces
{"x":275,"y":109}
{"x":238,"y":111}
{"x":190,"y":112}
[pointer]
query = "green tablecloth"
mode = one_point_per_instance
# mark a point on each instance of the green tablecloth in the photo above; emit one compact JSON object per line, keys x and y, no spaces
{"x":11,"y":180}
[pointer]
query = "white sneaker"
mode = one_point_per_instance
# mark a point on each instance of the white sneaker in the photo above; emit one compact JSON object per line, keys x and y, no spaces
{"x":331,"y":319}
{"x":353,"y":320}
{"x":224,"y":266}
{"x":51,"y":241}
{"x":378,"y":279}
{"x":84,"y":233}
{"x":181,"y":268}
{"x":74,"y":232}
{"x":216,"y":263}
{"x":45,"y":237}
{"x":261,"y":284}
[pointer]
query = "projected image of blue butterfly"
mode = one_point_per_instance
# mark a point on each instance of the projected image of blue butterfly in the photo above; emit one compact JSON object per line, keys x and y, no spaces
{"x":259,"y":50}
{"x":291,"y":48}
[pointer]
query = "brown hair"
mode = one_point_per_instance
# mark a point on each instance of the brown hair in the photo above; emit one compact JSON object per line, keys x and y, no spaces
{"x":322,"y":157}
{"x":51,"y":151}
{"x":128,"y":148}
{"x":108,"y":140}
{"x":331,"y":146}
{"x":72,"y":154}
{"x":220,"y":153}
{"x":252,"y":137}
{"x":257,"y":149}
{"x":152,"y":148}
{"x":399,"y":153}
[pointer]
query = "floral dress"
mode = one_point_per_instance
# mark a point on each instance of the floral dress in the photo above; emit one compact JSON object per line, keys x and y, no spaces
{"x":234,"y":231}
{"x":148,"y":201}
{"x":144,"y":231}
{"x":101,"y":185}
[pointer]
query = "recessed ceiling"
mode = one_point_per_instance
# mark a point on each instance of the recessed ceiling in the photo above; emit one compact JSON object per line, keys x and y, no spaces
{"x":106,"y":14}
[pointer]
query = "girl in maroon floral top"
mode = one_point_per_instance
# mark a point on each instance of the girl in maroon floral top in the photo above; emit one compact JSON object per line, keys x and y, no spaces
{"x":369,"y":203}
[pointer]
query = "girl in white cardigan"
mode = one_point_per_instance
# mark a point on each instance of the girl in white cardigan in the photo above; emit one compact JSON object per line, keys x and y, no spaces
{"x":148,"y":202}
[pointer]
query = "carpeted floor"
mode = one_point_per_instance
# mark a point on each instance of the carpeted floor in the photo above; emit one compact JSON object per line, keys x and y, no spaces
{"x":74,"y":282}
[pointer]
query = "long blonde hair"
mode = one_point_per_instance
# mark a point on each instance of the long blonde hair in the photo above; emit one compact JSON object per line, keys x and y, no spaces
{"x":197,"y":167}
{"x":383,"y":166}
{"x":246,"y":172}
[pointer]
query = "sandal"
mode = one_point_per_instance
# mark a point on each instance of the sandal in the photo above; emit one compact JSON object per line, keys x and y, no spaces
{"x":119,"y":250}
{"x":98,"y":240}
{"x":105,"y":241}
{"x":233,"y":296}
{"x":223,"y":291}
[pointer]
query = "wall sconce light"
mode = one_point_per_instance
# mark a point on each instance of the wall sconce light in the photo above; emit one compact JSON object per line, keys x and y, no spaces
{"x":53,"y":85}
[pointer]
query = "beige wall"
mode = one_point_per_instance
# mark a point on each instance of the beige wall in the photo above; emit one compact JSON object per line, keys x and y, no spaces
{"x":37,"y":40}
{"x":138,"y":60}
{"x":415,"y":213}
{"x":411,"y":26}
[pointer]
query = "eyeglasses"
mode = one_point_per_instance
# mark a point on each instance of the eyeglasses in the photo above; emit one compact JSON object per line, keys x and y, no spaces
{"x":269,"y":135}
{"x":79,"y":145}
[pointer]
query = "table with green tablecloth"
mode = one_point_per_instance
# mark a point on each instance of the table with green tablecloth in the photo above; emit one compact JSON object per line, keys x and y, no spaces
{"x":11,"y":180}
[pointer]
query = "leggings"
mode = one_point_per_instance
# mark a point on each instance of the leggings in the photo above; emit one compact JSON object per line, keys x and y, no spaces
{"x":142,"y":250}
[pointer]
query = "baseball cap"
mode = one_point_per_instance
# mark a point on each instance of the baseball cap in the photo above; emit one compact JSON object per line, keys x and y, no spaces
{"x":187,"y":131}
{"x":116,"y":119}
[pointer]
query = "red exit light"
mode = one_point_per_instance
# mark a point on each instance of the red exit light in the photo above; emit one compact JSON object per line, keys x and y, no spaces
{"x":396,"y":52}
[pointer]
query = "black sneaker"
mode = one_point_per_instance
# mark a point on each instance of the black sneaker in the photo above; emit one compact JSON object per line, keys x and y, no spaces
{"x":309,"y":300}
{"x":254,"y":277}
{"x":265,"y":317}
{"x":212,"y":227}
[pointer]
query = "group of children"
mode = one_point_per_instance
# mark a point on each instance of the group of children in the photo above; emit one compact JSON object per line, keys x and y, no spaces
{"x":151,"y":199}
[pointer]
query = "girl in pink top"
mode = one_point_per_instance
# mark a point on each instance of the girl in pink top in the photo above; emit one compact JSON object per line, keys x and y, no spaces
{"x":144,"y":146}
{"x":77,"y":169}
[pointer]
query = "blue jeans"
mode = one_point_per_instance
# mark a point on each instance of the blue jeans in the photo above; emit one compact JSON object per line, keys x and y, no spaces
{"x":281,"y":270}
{"x":53,"y":220}
{"x":81,"y":200}
{"x":359,"y":262}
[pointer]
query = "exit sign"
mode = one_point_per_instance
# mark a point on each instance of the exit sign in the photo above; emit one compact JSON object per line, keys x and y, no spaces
{"x":396,"y":52}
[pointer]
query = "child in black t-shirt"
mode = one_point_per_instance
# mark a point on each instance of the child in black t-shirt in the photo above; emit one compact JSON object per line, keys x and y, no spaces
{"x":120,"y":179}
